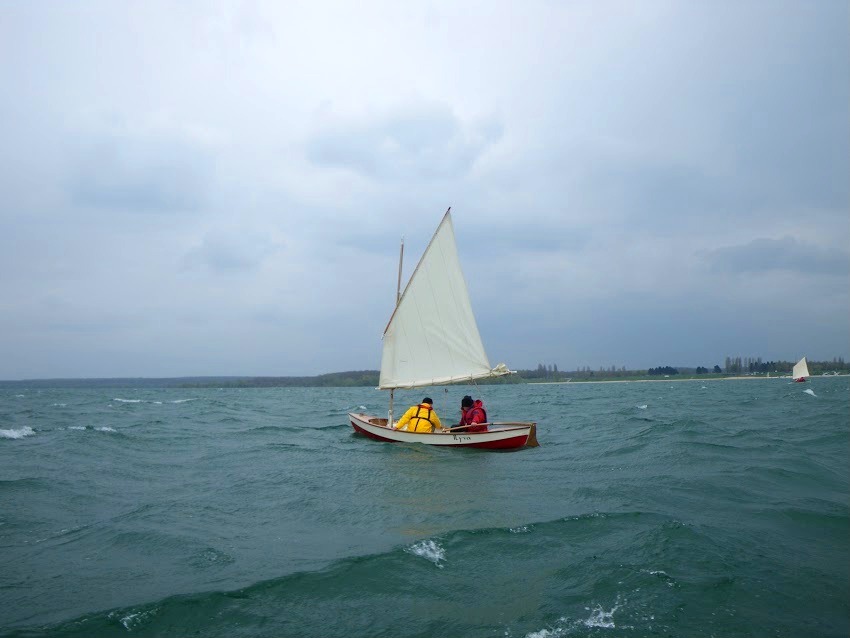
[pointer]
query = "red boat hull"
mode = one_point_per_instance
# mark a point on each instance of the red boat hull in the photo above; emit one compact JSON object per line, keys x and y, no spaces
{"x":500,"y":436}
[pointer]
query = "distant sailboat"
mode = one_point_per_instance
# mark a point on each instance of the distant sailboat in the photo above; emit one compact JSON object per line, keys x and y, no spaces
{"x":800,"y":371}
{"x":432,"y":339}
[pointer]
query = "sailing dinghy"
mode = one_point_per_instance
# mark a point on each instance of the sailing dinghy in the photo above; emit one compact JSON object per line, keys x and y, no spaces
{"x":432,"y":339}
{"x":800,"y":371}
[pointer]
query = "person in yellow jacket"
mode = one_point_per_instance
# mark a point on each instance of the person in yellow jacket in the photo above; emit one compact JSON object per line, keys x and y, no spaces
{"x":420,"y":418}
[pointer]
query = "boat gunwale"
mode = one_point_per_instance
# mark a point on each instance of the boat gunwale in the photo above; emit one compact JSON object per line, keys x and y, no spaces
{"x":511,"y":425}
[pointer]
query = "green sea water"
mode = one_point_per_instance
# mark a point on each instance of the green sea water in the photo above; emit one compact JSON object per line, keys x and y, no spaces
{"x":716,"y":508}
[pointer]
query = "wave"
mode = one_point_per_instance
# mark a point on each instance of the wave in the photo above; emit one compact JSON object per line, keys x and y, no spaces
{"x":283,"y":446}
{"x":481,"y":551}
{"x":585,"y":574}
{"x":83,"y":428}
{"x":132,"y":620}
{"x":281,"y":429}
{"x":17,"y":434}
{"x":24,"y":483}
{"x":210,"y":557}
{"x":175,"y":401}
{"x":332,"y":426}
{"x":308,"y":602}
{"x":625,"y":449}
{"x":825,"y":516}
{"x":429,"y":550}
{"x":566,"y":626}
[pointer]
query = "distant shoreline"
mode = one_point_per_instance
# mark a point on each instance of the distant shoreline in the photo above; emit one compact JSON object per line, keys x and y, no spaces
{"x":665,"y":379}
{"x":361,"y":379}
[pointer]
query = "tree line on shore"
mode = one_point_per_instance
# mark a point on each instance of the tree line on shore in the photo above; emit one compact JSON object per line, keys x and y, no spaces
{"x":542,"y":373}
{"x":754,"y":365}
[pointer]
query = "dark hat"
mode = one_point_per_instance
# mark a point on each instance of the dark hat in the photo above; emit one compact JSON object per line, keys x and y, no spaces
{"x":466,"y":402}
{"x":427,"y":400}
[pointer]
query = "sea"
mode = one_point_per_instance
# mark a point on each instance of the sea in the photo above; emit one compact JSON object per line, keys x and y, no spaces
{"x":666,"y":508}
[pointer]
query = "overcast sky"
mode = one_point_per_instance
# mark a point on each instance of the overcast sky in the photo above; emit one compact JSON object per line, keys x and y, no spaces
{"x":219,"y":188}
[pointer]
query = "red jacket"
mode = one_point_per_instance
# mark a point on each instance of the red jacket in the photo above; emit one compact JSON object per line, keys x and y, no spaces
{"x":474,"y":416}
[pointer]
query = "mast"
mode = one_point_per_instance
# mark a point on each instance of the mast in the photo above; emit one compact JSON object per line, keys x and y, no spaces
{"x":400,"y":258}
{"x":397,"y":299}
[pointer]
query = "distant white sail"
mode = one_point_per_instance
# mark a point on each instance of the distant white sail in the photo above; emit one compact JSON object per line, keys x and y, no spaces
{"x":432,"y":336}
{"x":801,"y":369}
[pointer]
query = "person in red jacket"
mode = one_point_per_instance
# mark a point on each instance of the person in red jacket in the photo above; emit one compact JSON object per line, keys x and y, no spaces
{"x":473,"y":415}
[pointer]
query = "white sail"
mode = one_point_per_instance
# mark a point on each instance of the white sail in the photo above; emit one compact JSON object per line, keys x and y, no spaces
{"x":801,"y":369}
{"x":432,"y":337}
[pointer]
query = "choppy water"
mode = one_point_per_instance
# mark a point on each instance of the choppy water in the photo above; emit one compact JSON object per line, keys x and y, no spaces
{"x":685,"y":509}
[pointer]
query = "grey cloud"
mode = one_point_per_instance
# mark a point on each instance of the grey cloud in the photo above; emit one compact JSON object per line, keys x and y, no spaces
{"x":615,"y":154}
{"x":151,"y":176}
{"x":71,"y":319}
{"x":757,"y":126}
{"x":523,"y":238}
{"x":585,"y":184}
{"x":642,"y":188}
{"x":424,"y":142}
{"x":232,"y":252}
{"x":787,"y":253}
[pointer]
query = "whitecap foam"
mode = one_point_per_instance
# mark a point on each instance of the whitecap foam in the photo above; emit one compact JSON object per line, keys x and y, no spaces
{"x":519,"y":530}
{"x":77,"y":427}
{"x":105,"y":428}
{"x":182,"y":400}
{"x":20,"y":396}
{"x":17,"y":434}
{"x":601,"y":618}
{"x":361,"y":407}
{"x":643,"y":406}
{"x":429,"y":550}
{"x":670,"y":582}
{"x":128,"y":400}
{"x":555,"y":632}
{"x":133,"y":620}
{"x":59,"y":405}
{"x":810,"y":391}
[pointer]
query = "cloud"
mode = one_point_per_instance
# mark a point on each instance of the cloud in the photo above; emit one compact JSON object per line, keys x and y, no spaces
{"x":142,"y":175}
{"x":622,"y":177}
{"x":233,"y":250}
{"x":425,"y":141}
{"x":786,"y":253}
